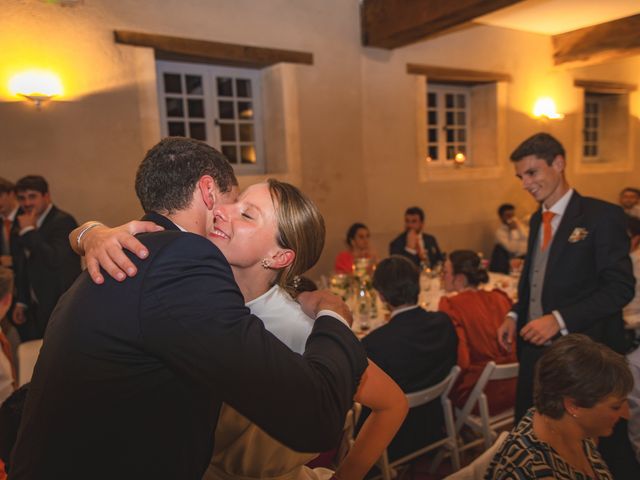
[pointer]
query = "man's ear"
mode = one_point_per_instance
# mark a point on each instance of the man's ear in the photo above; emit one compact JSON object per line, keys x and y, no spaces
{"x":207,"y":191}
{"x":283,"y":258}
{"x":559,"y":163}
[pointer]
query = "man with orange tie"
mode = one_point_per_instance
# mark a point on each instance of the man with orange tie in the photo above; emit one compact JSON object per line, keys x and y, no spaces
{"x":577,"y":275}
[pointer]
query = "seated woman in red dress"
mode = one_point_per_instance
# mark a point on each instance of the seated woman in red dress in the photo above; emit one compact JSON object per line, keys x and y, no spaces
{"x":359,"y":247}
{"x":476,"y":315}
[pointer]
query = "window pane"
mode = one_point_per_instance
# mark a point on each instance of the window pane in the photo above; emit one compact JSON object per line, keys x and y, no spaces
{"x":462,"y":118}
{"x":587,"y":122}
{"x":450,"y":133}
{"x":228,"y":132}
{"x":433,"y":118}
{"x":462,"y":135}
{"x":176,"y":129}
{"x":243,"y":87}
{"x":172,"y":83}
{"x":248,"y":154}
{"x":198,"y":131}
{"x":433,"y":153}
{"x":594,"y":149}
{"x":225,"y":87}
{"x":460,"y":101}
{"x":174,"y":107}
{"x":196,"y":108}
{"x":225,"y":109}
{"x":433,"y":134}
{"x":449,"y":100}
{"x":449,"y":118}
{"x":462,"y":149}
{"x":194,"y":84}
{"x":585,"y":151}
{"x":245,"y":110}
{"x":450,"y":152}
{"x":431,"y":100}
{"x":594,"y":122}
{"x":229,"y":151}
{"x":246,"y":132}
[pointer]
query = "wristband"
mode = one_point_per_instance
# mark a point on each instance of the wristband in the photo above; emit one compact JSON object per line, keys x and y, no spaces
{"x":83,"y":233}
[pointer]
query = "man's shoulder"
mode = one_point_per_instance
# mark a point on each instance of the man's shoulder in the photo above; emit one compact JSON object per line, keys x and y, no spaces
{"x":187,"y":243}
{"x":58,"y":215}
{"x":592,"y":204}
{"x":399,"y":238}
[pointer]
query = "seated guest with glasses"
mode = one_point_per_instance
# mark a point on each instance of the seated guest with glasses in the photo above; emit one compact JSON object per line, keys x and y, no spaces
{"x":359,"y":247}
{"x":416,"y":348}
{"x":476,"y":315}
{"x":580,"y":392}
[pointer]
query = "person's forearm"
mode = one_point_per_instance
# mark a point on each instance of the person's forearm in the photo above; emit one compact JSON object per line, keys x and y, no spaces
{"x":376,"y":433}
{"x":78,"y":234}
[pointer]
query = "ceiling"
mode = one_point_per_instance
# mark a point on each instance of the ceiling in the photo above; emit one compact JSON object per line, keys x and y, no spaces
{"x":551,"y":17}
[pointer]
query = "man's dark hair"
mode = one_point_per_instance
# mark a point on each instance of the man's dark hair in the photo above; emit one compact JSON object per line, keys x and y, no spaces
{"x":6,"y":186}
{"x":627,"y":189}
{"x":398,"y":280}
{"x":505,"y":207}
{"x":32,"y":182}
{"x":167,"y":176}
{"x":415,"y":211}
{"x":542,"y":145}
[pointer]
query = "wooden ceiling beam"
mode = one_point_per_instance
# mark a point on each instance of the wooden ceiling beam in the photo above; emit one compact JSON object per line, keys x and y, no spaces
{"x":598,"y":43}
{"x":457,"y":75}
{"x":395,"y":23}
{"x":176,"y":48}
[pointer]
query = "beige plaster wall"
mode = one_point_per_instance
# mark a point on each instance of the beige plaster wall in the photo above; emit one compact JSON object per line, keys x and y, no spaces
{"x":351,"y":119}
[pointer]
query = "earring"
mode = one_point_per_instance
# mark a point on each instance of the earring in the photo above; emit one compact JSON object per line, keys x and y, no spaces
{"x":266,"y":263}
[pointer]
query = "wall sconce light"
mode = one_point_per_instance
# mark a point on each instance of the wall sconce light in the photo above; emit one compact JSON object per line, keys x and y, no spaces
{"x":39,"y":86}
{"x":545,"y":108}
{"x":459,"y":159}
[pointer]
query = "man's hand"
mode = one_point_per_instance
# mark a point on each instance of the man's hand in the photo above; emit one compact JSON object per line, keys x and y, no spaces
{"x":540,"y":330}
{"x":506,"y":333}
{"x":18,"y":314}
{"x":28,"y":219}
{"x":313,"y":302}
{"x":103,"y":247}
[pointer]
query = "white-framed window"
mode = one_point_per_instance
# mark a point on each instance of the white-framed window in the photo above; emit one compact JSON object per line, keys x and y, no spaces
{"x":448,"y":121}
{"x":218,"y":105}
{"x":592,"y":125}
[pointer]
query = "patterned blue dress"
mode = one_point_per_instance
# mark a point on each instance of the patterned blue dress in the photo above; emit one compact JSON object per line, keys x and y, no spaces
{"x":522,"y":457}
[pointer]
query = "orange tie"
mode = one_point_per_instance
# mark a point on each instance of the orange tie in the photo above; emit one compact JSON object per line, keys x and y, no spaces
{"x":547,"y":233}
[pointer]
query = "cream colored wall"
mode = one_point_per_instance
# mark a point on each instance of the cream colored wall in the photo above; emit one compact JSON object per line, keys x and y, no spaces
{"x":350,"y":138}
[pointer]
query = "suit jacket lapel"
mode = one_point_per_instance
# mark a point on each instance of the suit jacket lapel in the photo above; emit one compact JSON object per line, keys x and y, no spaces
{"x":569,"y":221}
{"x":160,"y":220}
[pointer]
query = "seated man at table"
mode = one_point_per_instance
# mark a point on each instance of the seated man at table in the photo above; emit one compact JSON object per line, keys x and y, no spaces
{"x":420,"y":248}
{"x":416,"y":348}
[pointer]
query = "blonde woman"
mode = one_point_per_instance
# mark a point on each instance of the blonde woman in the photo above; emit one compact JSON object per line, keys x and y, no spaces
{"x":272,"y":234}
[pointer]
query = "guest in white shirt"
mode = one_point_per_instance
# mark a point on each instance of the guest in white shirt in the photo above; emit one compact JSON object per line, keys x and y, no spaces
{"x":631,"y":313}
{"x":512,"y":234}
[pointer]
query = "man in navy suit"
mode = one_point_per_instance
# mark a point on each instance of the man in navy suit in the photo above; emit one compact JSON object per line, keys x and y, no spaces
{"x":577,"y":275}
{"x":420,"y":248}
{"x":131,"y":376}
{"x":45,"y":266}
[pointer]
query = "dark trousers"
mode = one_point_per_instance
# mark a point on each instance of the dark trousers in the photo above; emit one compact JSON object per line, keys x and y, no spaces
{"x":528,"y":356}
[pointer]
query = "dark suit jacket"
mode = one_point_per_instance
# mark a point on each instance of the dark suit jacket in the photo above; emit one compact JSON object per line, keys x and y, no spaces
{"x":589,"y":280}
{"x":417,"y":349}
{"x":50,"y":267}
{"x":131,"y":375}
{"x":397,"y":247}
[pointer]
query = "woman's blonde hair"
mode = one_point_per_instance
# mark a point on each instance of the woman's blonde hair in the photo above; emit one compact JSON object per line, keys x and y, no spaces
{"x":300,"y":228}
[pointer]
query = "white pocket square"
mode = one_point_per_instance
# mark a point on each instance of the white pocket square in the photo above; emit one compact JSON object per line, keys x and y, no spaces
{"x":578,"y":234}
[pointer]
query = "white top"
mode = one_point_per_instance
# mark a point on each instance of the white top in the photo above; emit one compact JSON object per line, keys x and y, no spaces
{"x":514,"y":240}
{"x":283,"y":317}
{"x":242,"y":450}
{"x":631,"y":312}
